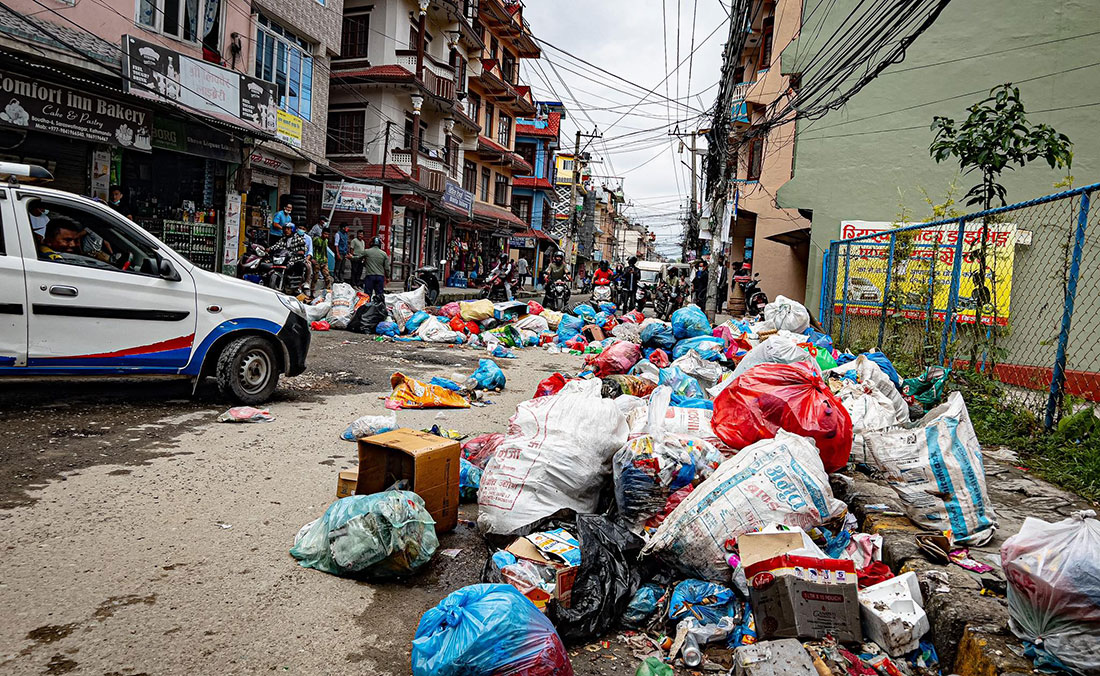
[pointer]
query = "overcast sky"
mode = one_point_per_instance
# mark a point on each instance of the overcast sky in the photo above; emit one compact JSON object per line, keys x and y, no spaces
{"x":629,"y":38}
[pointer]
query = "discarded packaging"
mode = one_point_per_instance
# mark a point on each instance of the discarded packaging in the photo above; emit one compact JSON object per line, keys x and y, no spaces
{"x":411,"y":393}
{"x":893,"y":616}
{"x":370,"y":425}
{"x":242,"y":414}
{"x":785,"y":657}
{"x":429,"y":463}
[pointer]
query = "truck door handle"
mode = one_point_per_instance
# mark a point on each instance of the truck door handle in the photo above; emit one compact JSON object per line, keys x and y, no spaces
{"x":69,"y":291}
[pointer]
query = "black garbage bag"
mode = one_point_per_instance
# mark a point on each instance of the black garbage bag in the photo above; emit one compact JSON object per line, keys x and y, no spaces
{"x":606,"y":581}
{"x":368,"y":317}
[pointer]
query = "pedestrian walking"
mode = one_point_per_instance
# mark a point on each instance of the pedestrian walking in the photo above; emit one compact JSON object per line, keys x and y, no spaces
{"x":322,"y":250}
{"x":356,"y":251}
{"x":521,"y":271}
{"x":375,"y":264}
{"x":699,"y":285}
{"x":342,"y":244}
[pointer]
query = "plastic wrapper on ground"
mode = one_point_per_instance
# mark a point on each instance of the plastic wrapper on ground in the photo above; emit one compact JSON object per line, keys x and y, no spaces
{"x":487,"y":630}
{"x":476,"y":310}
{"x":709,"y":348}
{"x":704,"y":601}
{"x":696,"y":365}
{"x":481,"y":448}
{"x":410,"y":393}
{"x":643,"y":606}
{"x":658,"y":335}
{"x":619,"y":358}
{"x":370,"y":425}
{"x":469,"y":480}
{"x":381,"y":535}
{"x":614,"y":386}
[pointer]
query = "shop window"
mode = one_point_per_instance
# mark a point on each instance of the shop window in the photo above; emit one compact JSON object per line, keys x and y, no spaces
{"x":355,"y":36}
{"x":527,"y":152}
{"x":469,"y":176}
{"x":504,"y":131}
{"x":286,"y":60}
{"x":486,"y":177}
{"x":183,"y":19}
{"x":521,"y":207}
{"x":82,"y":237}
{"x":500,"y":191}
{"x":756,"y":158}
{"x":346,"y":133}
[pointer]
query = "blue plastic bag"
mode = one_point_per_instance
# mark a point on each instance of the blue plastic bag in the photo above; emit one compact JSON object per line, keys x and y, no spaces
{"x":381,"y":535}
{"x":609,"y":308}
{"x":708,"y":347}
{"x":887,"y":366}
{"x":469,"y":480}
{"x":446,"y":383}
{"x":818,"y":339}
{"x":643,"y":605}
{"x":415,"y":321}
{"x":569,"y":328}
{"x":501,"y":352}
{"x":585,"y":312}
{"x":690,"y":322}
{"x":705,"y":601}
{"x":488,"y":375}
{"x":658,"y":336}
{"x":387,"y":328}
{"x":844,"y":358}
{"x":681,"y":383}
{"x":486,"y":629}
{"x":681,"y":401}
{"x":600,"y":319}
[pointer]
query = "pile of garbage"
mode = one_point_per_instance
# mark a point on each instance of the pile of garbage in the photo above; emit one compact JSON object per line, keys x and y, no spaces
{"x":676,"y":489}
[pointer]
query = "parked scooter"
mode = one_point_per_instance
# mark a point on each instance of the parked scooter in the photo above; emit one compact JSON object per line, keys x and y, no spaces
{"x":254,"y":261}
{"x":426,"y":276}
{"x":749,"y":283}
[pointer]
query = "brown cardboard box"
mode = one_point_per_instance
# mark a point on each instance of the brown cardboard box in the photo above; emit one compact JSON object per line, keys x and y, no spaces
{"x":566,"y":575}
{"x":592,"y":332}
{"x":430,"y":463}
{"x":345,"y":484}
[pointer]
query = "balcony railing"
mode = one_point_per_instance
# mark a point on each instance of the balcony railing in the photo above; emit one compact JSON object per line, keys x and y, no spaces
{"x":438,"y":77}
{"x":431,"y":173}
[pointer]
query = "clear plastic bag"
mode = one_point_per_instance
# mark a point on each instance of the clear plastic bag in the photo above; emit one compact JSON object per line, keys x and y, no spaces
{"x":1054,"y":591}
{"x":370,"y":425}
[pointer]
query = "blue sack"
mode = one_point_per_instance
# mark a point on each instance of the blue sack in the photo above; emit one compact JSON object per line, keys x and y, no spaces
{"x":446,"y":384}
{"x":887,"y":366}
{"x":681,"y":401}
{"x":681,"y":383}
{"x":601,"y":318}
{"x":488,"y":375}
{"x":469,"y":480}
{"x":387,"y":328}
{"x":585,"y":312}
{"x":707,"y":602}
{"x":569,"y":328}
{"x":844,"y":358}
{"x":486,"y":629}
{"x":415,"y":321}
{"x":690,"y":322}
{"x":609,"y":308}
{"x":659,"y":336}
{"x":818,"y":339}
{"x":501,"y":352}
{"x":710,"y":348}
{"x":643,"y":605}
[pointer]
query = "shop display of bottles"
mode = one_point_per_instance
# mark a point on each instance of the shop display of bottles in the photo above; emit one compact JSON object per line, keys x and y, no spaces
{"x":194,"y":239}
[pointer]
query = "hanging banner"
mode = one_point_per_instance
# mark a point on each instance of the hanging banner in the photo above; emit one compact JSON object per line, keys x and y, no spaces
{"x":101,"y":173}
{"x":32,"y":104}
{"x":288,"y":128}
{"x":461,"y":200}
{"x":924,"y":260}
{"x":358,"y":197}
{"x":232,"y":228}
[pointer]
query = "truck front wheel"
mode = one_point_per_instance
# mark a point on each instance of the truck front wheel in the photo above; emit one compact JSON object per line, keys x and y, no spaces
{"x":248,"y":371}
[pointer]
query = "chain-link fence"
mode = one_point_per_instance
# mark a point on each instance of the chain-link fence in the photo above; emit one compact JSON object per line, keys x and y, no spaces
{"x":1011,"y":293}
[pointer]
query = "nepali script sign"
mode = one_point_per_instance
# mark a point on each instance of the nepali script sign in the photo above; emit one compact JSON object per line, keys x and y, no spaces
{"x":922,"y":270}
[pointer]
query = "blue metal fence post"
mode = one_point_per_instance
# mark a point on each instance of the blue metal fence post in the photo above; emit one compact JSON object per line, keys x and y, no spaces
{"x":828,"y":288}
{"x":953,"y":295}
{"x":886,"y":293}
{"x":844,"y":297}
{"x":1057,"y":382}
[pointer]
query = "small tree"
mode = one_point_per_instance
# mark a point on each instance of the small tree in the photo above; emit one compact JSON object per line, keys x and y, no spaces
{"x":995,"y":136}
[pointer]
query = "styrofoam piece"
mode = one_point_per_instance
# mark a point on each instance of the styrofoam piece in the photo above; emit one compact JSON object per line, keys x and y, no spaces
{"x":893,"y":615}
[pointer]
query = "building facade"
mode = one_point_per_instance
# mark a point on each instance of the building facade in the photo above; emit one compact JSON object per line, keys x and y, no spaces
{"x":204,"y":113}
{"x":533,"y":196}
{"x":423,"y":101}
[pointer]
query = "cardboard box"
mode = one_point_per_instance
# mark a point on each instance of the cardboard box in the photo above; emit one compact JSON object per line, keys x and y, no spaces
{"x":798,"y":596}
{"x":523,"y":548}
{"x":428,"y":462}
{"x":345,"y":484}
{"x":592,"y":333}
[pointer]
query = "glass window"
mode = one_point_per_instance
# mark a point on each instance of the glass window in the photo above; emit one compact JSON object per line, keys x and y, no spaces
{"x":345,"y":133}
{"x":500,"y":191}
{"x":355,"y":36}
{"x":527,"y":152}
{"x":487,"y":128}
{"x":196,"y":21}
{"x":285,"y":60}
{"x":486,"y":176}
{"x":78,"y":236}
{"x":469,"y":176}
{"x":475,"y":108}
{"x":504,"y":132}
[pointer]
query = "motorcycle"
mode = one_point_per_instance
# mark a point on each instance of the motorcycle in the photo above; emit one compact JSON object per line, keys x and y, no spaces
{"x":601,"y":293}
{"x":641,"y":298}
{"x":557,"y":295}
{"x":664,"y":301}
{"x":254,"y":261}
{"x":495,"y":289}
{"x":428,"y":277}
{"x":288,"y":270}
{"x":749,"y":283}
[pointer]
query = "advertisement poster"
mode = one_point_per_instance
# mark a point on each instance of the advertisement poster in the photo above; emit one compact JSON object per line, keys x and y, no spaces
{"x":232,"y":227}
{"x":925,"y":274}
{"x":461,"y":200}
{"x":101,"y":173}
{"x":288,"y":128}
{"x":357,"y":197}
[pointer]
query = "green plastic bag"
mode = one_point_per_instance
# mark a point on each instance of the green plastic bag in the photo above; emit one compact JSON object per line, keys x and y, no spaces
{"x":508,"y":336}
{"x":654,"y":667}
{"x":824,"y":359}
{"x":381,"y":535}
{"x":927,"y":388}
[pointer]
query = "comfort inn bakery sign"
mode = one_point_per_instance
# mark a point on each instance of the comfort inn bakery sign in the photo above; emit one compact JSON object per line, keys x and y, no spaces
{"x":56,"y":109}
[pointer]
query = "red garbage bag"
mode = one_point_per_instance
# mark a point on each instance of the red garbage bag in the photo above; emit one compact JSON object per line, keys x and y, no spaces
{"x":457,"y":324}
{"x":321,"y":325}
{"x":659,"y":358}
{"x":534,"y":308}
{"x":481,"y":448}
{"x":577,"y":343}
{"x":619,"y":358}
{"x":610,"y":324}
{"x":550,"y":385}
{"x":634,"y":316}
{"x":792,"y":397}
{"x":473,"y":328}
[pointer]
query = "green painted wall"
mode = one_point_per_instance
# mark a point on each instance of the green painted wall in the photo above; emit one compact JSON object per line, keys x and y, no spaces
{"x":852,"y":163}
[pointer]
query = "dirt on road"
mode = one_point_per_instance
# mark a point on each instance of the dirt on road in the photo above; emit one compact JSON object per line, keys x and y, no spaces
{"x":144,"y":537}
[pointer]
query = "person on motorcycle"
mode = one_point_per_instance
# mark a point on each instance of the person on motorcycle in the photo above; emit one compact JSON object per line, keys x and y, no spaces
{"x":296,"y":242}
{"x":631,"y":277}
{"x":555,"y":272}
{"x":506,"y":270}
{"x":602,"y":276}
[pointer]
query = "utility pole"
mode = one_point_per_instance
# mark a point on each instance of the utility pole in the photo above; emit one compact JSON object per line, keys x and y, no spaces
{"x":693,"y":212}
{"x":575,"y":215}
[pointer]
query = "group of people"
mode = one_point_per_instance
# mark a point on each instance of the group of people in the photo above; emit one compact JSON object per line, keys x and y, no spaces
{"x":327,"y":256}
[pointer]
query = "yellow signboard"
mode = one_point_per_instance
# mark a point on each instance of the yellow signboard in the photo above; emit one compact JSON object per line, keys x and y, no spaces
{"x":923,"y":267}
{"x":288,"y":127}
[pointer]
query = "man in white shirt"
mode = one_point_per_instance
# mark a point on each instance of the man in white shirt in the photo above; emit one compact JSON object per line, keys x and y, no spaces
{"x":39,"y":218}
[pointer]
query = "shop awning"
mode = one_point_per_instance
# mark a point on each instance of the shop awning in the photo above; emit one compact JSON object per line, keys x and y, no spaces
{"x":535,"y":234}
{"x":497,"y":216}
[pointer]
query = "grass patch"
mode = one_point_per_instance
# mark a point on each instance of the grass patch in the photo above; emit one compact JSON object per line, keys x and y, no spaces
{"x":1068,"y":456}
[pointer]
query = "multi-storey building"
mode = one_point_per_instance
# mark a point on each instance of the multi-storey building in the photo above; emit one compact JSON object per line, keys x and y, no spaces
{"x":200,"y":110}
{"x":533,"y":196}
{"x":424,"y":98}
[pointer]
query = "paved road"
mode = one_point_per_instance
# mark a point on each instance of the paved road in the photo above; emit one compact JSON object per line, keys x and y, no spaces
{"x":143,"y":537}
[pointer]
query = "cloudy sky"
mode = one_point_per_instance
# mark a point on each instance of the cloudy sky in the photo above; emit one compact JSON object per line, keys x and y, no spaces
{"x":637,"y":41}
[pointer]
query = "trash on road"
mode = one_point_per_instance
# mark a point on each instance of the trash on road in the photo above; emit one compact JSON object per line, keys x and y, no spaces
{"x":893,"y":614}
{"x":784,"y":657}
{"x":428,"y":464}
{"x":242,"y":414}
{"x":370,"y":425}
{"x":410,"y":393}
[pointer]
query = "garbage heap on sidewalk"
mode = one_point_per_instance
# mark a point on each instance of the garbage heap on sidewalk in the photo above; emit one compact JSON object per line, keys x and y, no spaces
{"x":674,"y":491}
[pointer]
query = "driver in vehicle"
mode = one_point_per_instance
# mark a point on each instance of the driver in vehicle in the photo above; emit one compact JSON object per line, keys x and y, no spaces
{"x":62,"y":236}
